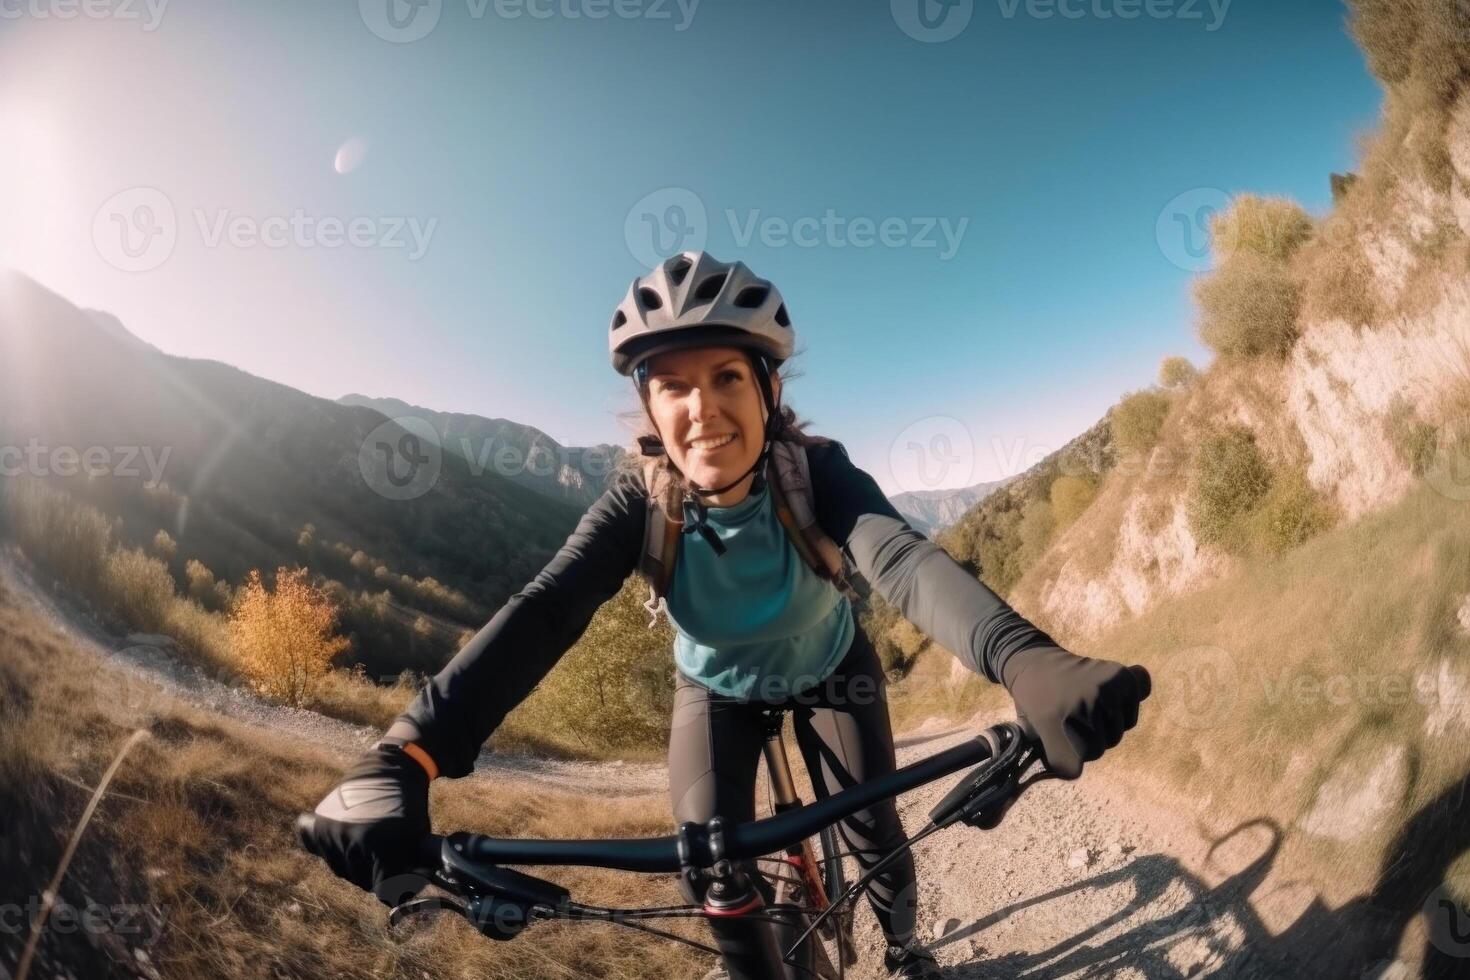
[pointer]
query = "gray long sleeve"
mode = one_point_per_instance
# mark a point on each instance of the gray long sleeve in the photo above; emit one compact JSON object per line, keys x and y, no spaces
{"x":930,"y":589}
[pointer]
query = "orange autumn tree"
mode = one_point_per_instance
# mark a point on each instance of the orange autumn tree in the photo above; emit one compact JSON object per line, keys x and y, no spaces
{"x":286,"y":639}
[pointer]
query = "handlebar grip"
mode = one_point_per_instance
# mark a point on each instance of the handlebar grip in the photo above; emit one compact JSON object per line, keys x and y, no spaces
{"x":1143,"y":680}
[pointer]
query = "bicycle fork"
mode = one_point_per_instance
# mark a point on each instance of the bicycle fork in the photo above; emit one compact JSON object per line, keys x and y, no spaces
{"x":800,"y":857}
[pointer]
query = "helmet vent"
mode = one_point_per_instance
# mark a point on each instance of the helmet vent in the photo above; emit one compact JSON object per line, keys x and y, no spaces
{"x":782,"y":318}
{"x":751,"y":297}
{"x":711,"y":287}
{"x":679,"y":270}
{"x":619,"y":318}
{"x":649,"y":299}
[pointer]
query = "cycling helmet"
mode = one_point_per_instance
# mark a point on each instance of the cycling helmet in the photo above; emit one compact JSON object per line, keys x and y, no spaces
{"x":695,"y":300}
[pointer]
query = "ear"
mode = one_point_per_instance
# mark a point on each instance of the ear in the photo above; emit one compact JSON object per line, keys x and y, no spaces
{"x":776,"y":387}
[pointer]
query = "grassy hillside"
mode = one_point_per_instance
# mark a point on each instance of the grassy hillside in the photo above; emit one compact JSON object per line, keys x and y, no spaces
{"x":1283,"y":537}
{"x":241,"y":473}
{"x":189,"y":866}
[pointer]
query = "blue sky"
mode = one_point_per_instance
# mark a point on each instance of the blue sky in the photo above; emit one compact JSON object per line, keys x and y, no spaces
{"x":513,"y":157}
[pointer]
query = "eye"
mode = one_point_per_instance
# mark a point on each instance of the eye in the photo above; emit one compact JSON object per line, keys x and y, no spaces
{"x":730,"y":376}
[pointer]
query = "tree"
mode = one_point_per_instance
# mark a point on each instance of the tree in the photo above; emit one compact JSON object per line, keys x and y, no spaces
{"x":284,"y":640}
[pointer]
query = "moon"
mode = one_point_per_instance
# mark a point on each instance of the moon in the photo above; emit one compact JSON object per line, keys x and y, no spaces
{"x":350,"y":155}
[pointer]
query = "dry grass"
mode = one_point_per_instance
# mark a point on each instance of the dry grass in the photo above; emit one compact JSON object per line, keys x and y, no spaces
{"x":1294,"y":671}
{"x":196,"y":831}
{"x":1237,"y":721}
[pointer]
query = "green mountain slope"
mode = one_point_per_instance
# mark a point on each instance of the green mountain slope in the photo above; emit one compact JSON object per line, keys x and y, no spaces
{"x":245,"y":473}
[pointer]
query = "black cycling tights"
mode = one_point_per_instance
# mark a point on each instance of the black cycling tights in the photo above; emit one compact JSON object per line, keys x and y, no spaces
{"x":845,"y":736}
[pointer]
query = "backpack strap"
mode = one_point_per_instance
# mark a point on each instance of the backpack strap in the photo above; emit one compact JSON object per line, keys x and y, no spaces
{"x":661,"y":530}
{"x":796,"y":507}
{"x":789,"y":477}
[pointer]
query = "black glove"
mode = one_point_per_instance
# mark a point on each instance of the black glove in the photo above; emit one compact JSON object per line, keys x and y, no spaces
{"x":368,"y":829}
{"x":1079,"y":707}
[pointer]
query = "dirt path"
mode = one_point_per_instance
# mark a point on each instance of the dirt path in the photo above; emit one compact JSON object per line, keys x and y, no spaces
{"x":152,"y":671}
{"x":1080,"y":881}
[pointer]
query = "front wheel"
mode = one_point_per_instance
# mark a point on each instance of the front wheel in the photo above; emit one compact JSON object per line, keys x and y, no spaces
{"x":808,"y":880}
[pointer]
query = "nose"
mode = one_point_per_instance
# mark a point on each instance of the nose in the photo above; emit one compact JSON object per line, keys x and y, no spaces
{"x":700,"y":406}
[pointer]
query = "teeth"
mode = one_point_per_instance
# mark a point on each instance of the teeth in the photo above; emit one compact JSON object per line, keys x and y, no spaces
{"x":713,"y":442}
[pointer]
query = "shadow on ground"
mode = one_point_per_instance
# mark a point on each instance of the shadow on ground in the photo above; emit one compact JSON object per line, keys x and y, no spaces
{"x":1407,"y":926}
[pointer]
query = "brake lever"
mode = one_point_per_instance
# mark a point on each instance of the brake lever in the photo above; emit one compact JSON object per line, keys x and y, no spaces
{"x":419,"y":906}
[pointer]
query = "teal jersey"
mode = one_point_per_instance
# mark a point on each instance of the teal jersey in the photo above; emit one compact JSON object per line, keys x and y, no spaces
{"x":755,"y":623}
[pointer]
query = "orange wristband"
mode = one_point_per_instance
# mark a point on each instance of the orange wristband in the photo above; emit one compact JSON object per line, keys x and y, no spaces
{"x":417,"y":754}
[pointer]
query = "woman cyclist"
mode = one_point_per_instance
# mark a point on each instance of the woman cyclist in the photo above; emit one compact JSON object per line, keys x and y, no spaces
{"x":755,"y":624}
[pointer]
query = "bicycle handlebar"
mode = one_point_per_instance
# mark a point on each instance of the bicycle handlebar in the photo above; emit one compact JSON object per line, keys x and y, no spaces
{"x":702,"y":847}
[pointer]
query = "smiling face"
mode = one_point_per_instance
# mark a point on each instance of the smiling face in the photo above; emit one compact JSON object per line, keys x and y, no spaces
{"x":707,"y":405}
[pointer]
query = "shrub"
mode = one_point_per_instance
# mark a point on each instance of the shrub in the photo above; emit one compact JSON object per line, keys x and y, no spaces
{"x":70,"y":538}
{"x":1177,"y":372}
{"x":284,"y":640}
{"x":1414,"y":440}
{"x":1070,"y":496}
{"x":614,"y":688}
{"x":1138,"y":419}
{"x":1248,"y":307}
{"x":1037,"y":525}
{"x":1269,"y":227}
{"x":1339,"y":284}
{"x":1230,"y":478}
{"x":1386,"y":36}
{"x":138,"y":589}
{"x":164,"y":545}
{"x":1412,"y":39}
{"x":1291,"y":512}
